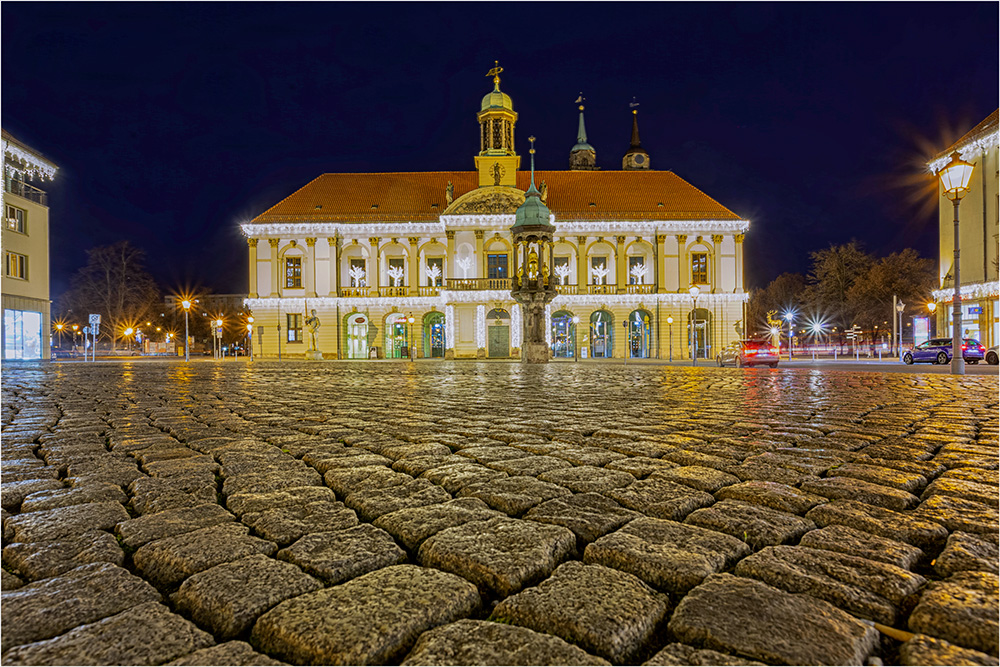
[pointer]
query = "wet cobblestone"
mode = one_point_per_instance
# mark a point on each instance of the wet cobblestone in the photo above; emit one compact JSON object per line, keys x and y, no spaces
{"x":395,"y":512}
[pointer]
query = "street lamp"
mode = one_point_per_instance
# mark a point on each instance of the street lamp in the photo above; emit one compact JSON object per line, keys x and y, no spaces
{"x":694,"y":292}
{"x":955,"y":178}
{"x":670,"y":337}
{"x":128,"y":337}
{"x":186,"y":305}
{"x":931,"y":307}
{"x":413,"y":351}
{"x":250,"y":335}
{"x":576,"y":344}
{"x":817,"y":330}
{"x":76,"y":332}
{"x":59,"y":330}
{"x":217,"y":334}
{"x":788,"y":316}
{"x":900,"y":307}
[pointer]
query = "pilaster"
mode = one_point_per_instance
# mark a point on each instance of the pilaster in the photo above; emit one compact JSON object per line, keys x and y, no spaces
{"x":374,"y":271}
{"x":658,"y":253}
{"x":480,"y":255}
{"x":310,"y":268}
{"x":334,"y":265}
{"x":621,"y":270}
{"x":276,"y":270}
{"x":581,"y":262}
{"x":682,"y":263}
{"x":716,"y":262}
{"x":739,"y":262}
{"x":414,"y":264}
{"x":449,"y":270}
{"x":252,"y":248}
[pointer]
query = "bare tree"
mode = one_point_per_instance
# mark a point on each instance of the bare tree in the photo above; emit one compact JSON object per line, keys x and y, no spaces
{"x":784,"y":293}
{"x":834,"y":272}
{"x":115,"y":284}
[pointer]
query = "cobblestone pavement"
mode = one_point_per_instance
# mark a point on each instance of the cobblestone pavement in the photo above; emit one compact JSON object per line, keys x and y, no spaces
{"x":475,"y":513}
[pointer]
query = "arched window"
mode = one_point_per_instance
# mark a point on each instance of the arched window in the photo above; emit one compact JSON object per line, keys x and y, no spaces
{"x":563,"y":334}
{"x":434,"y":339}
{"x":640,"y":334}
{"x":602,"y":334}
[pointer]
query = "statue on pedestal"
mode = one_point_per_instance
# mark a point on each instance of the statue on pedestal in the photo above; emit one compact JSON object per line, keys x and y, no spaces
{"x":312,"y":322}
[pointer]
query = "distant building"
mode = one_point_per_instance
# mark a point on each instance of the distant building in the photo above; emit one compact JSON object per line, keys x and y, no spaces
{"x":394,"y":262}
{"x":25,"y":279}
{"x":979,"y":238}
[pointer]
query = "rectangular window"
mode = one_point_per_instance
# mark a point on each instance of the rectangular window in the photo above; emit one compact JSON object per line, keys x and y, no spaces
{"x":637,"y":270}
{"x":15,"y":219}
{"x":562,"y":270}
{"x":16,"y":265}
{"x":598,"y":270}
{"x":293,"y":272}
{"x":699,"y":268}
{"x":22,"y":334}
{"x":496,"y":266}
{"x":435,"y":271}
{"x":294,"y":327}
{"x":357,"y":273}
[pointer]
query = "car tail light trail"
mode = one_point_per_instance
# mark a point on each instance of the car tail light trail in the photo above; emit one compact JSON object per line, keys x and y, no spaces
{"x":964,"y":346}
{"x":981,"y":348}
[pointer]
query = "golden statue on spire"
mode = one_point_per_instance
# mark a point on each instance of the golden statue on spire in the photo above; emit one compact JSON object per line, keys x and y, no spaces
{"x":495,"y":72}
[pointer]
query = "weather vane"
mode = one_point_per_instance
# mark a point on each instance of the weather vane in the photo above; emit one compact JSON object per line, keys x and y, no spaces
{"x":495,"y":72}
{"x":580,"y":100}
{"x":633,"y":104}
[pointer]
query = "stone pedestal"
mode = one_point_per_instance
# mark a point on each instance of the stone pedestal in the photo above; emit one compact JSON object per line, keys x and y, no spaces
{"x":535,"y":353}
{"x":314,"y":355}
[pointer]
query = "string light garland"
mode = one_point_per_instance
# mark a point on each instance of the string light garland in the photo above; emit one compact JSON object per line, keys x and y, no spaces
{"x":34,"y":165}
{"x":480,"y":326}
{"x":976,"y":291}
{"x":968,"y":151}
{"x":449,"y":327}
{"x":515,"y":326}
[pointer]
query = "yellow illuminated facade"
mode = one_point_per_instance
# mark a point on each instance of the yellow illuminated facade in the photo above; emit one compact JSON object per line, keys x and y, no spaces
{"x":419,"y":262}
{"x":979,"y":238}
{"x":25,"y":277}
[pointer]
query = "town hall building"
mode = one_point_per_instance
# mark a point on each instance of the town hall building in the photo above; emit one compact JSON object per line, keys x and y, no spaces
{"x":644,"y":264}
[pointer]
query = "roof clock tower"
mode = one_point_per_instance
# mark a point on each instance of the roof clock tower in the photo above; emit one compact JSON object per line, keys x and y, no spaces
{"x":636,"y":157}
{"x":583,"y":157}
{"x":497,"y":163}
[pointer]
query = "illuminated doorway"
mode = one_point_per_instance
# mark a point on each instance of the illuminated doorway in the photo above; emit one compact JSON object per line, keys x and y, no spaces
{"x":434,"y":335}
{"x":563,"y":334}
{"x":640,"y":334}
{"x":602,"y":334}
{"x":498,"y":333}
{"x":357,"y":336}
{"x":397,"y":340}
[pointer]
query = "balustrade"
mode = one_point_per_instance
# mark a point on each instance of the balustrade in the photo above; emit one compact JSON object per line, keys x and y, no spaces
{"x":478,"y":284}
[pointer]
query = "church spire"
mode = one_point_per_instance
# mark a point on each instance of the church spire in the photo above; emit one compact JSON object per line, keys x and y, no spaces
{"x":636,"y":157}
{"x":583,"y":156}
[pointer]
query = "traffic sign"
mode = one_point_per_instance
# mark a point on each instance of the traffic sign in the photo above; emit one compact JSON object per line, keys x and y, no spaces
{"x":86,"y":331}
{"x":95,"y":318}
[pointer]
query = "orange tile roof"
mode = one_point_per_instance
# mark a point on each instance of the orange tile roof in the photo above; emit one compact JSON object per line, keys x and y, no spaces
{"x":573,"y":195}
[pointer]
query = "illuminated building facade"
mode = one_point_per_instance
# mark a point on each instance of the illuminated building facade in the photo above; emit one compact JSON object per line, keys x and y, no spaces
{"x":979,"y":236}
{"x":25,"y":278}
{"x":421,"y":262}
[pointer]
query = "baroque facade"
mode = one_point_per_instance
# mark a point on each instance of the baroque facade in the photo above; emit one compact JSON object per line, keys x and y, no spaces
{"x":25,"y":281}
{"x":419,"y":263}
{"x":979,"y":238}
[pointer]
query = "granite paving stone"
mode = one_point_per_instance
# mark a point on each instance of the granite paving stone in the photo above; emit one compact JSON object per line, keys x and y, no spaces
{"x":756,"y":525}
{"x":228,"y":598}
{"x":667,"y":555}
{"x":455,"y":477}
{"x":846,"y":540}
{"x":926,"y":650}
{"x":897,"y":479}
{"x":603,"y":611}
{"x":168,"y":561}
{"x":40,"y":560}
{"x":588,"y":515}
{"x":153,"y":494}
{"x":866,"y":588}
{"x":144,"y":529}
{"x":471,"y":642}
{"x":514,"y":495}
{"x":90,"y":493}
{"x":339,"y":555}
{"x":966,"y":552}
{"x":775,"y":495}
{"x":962,"y":609}
{"x":12,"y":493}
{"x":640,"y":467}
{"x":345,"y":481}
{"x":989,"y":477}
{"x":908,"y":528}
{"x":958,"y":488}
{"x":10,"y":581}
{"x":61,"y":522}
{"x":500,"y":555}
{"x":285,"y":516}
{"x":586,"y":478}
{"x":53,"y":606}
{"x":837,"y":488}
{"x":531,"y":466}
{"x":661,"y":498}
{"x":750,"y":619}
{"x":957,"y":514}
{"x":413,"y":525}
{"x":230,"y":653}
{"x":373,"y":619}
{"x":148,"y":634}
{"x":682,"y":654}
{"x":698,"y":477}
{"x":371,"y":504}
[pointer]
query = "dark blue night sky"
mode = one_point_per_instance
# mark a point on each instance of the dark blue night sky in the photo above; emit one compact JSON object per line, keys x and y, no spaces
{"x":171,"y":123}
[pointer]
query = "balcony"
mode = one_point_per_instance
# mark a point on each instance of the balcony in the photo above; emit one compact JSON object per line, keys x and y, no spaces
{"x":399,"y":290}
{"x":357,"y":292}
{"x":602,"y":289}
{"x":29,"y":192}
{"x":638,"y":289}
{"x":466,"y":284}
{"x":568,"y":289}
{"x":429,"y":290}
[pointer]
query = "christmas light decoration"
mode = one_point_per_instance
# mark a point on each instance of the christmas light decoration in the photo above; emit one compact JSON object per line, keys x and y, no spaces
{"x":465,"y":263}
{"x":396,"y":274}
{"x":563,"y":272}
{"x":968,"y":151}
{"x":515,"y":326}
{"x":976,"y":291}
{"x":33,"y":165}
{"x":639,"y":273}
{"x":548,"y":324}
{"x":357,"y":276}
{"x":480,"y":326}
{"x":598,"y":272}
{"x":433,"y":272}
{"x":449,"y":327}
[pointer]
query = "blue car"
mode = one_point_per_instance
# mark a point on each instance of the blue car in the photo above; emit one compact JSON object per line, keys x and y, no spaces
{"x":938,"y":351}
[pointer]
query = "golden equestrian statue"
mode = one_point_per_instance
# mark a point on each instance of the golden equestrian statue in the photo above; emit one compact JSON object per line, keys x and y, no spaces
{"x":775,"y":328}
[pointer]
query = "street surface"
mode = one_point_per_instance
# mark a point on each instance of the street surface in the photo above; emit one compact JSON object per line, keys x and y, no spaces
{"x":157,"y":512}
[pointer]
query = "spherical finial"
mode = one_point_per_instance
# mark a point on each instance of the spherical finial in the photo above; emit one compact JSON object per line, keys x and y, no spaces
{"x":532,"y":149}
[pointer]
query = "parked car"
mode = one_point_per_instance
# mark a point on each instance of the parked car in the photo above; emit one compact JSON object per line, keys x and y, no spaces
{"x":748,"y":353}
{"x":938,"y":351}
{"x":991,"y":356}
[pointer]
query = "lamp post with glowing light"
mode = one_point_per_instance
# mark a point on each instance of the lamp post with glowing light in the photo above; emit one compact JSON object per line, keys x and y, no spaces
{"x":186,"y":305}
{"x":128,"y":337}
{"x":413,"y":350}
{"x":576,"y":343}
{"x":955,"y":178}
{"x":900,"y":307}
{"x":788,"y":316}
{"x":931,"y":307}
{"x":250,"y":335}
{"x":218,"y":336}
{"x":76,"y":332}
{"x":817,"y":329}
{"x":670,"y":337}
{"x":694,"y":292}
{"x":59,"y":330}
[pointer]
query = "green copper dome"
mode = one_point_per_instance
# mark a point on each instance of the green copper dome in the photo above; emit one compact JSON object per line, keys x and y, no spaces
{"x":497,"y":99}
{"x":533,"y":212}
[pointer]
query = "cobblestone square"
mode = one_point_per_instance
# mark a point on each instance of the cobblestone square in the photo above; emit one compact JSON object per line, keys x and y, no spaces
{"x":159,"y":512}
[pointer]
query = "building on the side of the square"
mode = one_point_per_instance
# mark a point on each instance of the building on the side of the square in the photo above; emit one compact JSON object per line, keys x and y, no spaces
{"x":979,"y":238}
{"x":423,"y":259}
{"x":25,"y":279}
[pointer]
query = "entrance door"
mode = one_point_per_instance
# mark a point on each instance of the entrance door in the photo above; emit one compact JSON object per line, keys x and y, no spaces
{"x":396,"y":338}
{"x":601,"y":334}
{"x":357,"y":337}
{"x":434,"y":335}
{"x":639,"y":334}
{"x":499,"y":341}
{"x":563,"y":334}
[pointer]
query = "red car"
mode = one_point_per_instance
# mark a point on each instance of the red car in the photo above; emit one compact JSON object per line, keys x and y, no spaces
{"x":749,"y":353}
